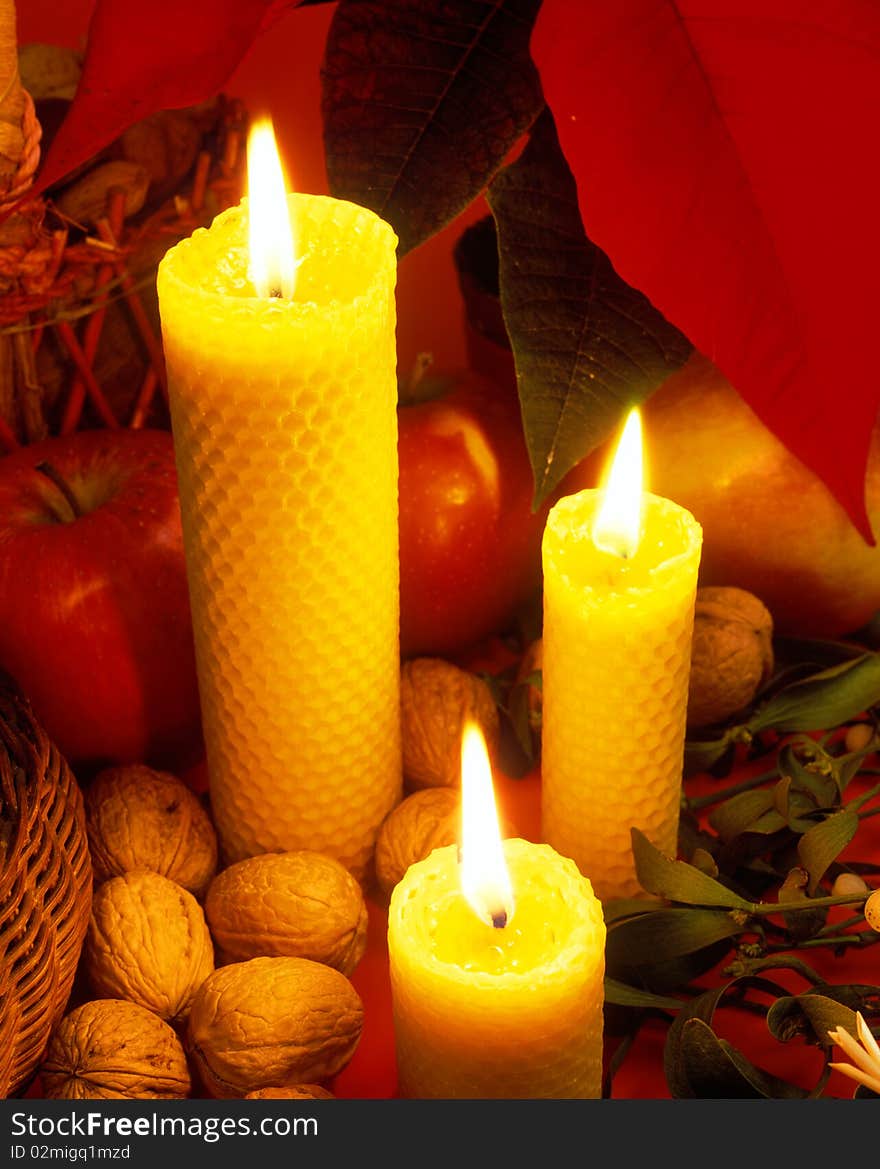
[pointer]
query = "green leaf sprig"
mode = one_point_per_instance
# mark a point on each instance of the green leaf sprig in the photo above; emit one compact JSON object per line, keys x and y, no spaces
{"x":757,"y":889}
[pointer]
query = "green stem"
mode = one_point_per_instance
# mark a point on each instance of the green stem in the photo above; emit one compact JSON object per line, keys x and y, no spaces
{"x":834,"y":941}
{"x":765,"y":908}
{"x":700,"y":802}
{"x":855,"y":805}
{"x":841,"y":925}
{"x":749,"y":966}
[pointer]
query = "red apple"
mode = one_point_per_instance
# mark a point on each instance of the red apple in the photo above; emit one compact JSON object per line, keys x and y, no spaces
{"x":470,"y":544}
{"x":94,"y":610}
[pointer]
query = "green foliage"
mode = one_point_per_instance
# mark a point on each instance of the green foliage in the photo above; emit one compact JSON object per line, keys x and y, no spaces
{"x":421,"y":104}
{"x":752,"y":888}
{"x":587,"y":345}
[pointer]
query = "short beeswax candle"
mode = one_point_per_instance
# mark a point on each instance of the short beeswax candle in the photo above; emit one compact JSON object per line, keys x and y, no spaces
{"x":284,"y":418}
{"x":501,"y":1001}
{"x":619,"y":595}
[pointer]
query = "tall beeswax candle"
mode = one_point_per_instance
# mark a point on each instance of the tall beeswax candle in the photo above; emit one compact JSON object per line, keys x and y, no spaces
{"x":618,"y":623}
{"x":285,"y":430}
{"x":497,"y":971}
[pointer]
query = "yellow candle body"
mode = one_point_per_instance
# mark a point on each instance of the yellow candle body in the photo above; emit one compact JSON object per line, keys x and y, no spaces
{"x":616,"y":660}
{"x":483,"y":1013}
{"x":285,"y":432}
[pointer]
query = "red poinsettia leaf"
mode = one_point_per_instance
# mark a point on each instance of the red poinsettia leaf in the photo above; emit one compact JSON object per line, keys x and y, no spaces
{"x":724,"y":161}
{"x":143,"y":58}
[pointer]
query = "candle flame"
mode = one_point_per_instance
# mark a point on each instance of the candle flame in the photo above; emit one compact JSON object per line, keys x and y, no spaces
{"x":272,"y":267}
{"x":485,"y":881}
{"x":619,"y":520}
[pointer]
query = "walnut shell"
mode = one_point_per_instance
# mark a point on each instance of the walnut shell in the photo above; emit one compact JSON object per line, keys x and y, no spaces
{"x":424,"y":821}
{"x":110,"y":1049}
{"x":300,"y":904}
{"x":437,"y":698}
{"x":269,"y":1022}
{"x":294,"y":1092}
{"x":148,"y":942}
{"x":731,"y":655}
{"x":139,"y":818}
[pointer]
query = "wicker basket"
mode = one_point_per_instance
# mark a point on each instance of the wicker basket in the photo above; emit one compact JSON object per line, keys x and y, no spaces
{"x":45,"y":888}
{"x":80,"y":343}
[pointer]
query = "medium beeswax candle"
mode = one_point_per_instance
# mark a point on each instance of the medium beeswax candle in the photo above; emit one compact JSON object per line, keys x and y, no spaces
{"x":486,"y":1013}
{"x":618,"y":623}
{"x":497,"y":959}
{"x":285,"y":430}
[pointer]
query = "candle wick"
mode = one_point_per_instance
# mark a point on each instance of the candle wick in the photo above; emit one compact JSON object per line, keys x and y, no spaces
{"x":276,"y":292}
{"x":499,"y":919}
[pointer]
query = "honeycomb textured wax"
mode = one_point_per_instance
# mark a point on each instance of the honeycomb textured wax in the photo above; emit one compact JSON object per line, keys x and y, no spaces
{"x":285,"y":433}
{"x":485,"y":1013}
{"x":616,"y":659}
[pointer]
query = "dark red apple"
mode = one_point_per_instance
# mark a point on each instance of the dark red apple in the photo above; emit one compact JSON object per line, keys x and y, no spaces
{"x":470,"y":544}
{"x":94,"y":609}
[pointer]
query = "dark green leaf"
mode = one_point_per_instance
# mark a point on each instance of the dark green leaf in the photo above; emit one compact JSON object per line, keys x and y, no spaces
{"x":768,"y":1086}
{"x":823,"y":700}
{"x":587,"y":345}
{"x":700,"y":754}
{"x":812,"y":1014}
{"x":672,"y":975}
{"x":824,"y":842}
{"x":421,"y":103}
{"x":820,"y":787}
{"x":699,"y":1065}
{"x":740,"y":812}
{"x":805,"y":920}
{"x":674,"y":1060}
{"x":804,"y":923}
{"x":622,"y":995}
{"x":716,"y":1070}
{"x":848,"y":765}
{"x":768,"y":824}
{"x":617,"y":909}
{"x":793,"y":806}
{"x":710,"y":1073}
{"x":666,"y":933}
{"x":676,"y":880}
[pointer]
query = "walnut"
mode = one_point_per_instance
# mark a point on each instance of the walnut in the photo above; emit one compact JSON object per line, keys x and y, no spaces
{"x":300,"y":904}
{"x":138,"y":818}
{"x":294,"y":1092}
{"x":269,"y":1022}
{"x":110,"y":1049}
{"x":437,"y":698}
{"x":732,"y":654}
{"x":422,"y":822}
{"x":148,"y":942}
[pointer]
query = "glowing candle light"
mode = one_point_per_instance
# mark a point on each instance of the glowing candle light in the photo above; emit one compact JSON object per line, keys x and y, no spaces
{"x":283,"y":393}
{"x":497,"y":964}
{"x":620,"y":578}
